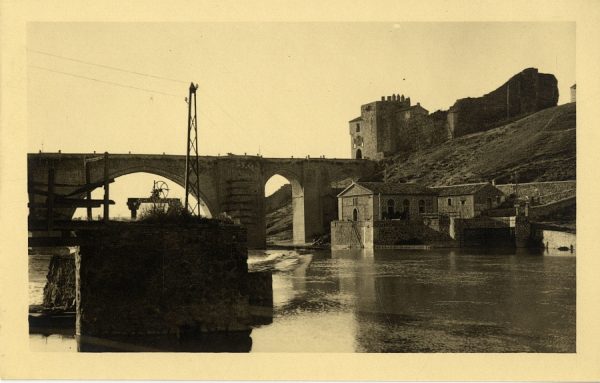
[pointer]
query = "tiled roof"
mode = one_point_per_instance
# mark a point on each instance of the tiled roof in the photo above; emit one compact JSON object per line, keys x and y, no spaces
{"x":464,"y":189}
{"x":359,"y":118}
{"x":396,"y":188}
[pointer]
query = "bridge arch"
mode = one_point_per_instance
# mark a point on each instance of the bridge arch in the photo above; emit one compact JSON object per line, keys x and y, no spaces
{"x":178,"y":179}
{"x":297,"y":191}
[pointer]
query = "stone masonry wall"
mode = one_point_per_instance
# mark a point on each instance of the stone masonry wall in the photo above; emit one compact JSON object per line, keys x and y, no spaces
{"x":552,"y":191}
{"x":526,"y":92}
{"x":138,"y":279}
{"x":370,"y":235}
{"x":390,"y":233}
{"x":346,"y":234}
{"x":59,"y":292}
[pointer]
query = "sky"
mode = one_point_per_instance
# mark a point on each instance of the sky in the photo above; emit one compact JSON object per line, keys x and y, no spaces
{"x":275,"y":89}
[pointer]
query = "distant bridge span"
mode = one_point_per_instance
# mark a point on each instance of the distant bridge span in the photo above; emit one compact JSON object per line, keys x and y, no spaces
{"x":229,"y":184}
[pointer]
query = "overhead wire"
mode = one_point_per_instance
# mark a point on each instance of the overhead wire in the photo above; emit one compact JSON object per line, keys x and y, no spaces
{"x":105,"y":81}
{"x":210,"y":99}
{"x":107,"y":66}
{"x":136,"y":73}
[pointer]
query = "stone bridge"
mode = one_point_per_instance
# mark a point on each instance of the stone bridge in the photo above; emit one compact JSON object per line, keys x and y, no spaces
{"x":231,"y":184}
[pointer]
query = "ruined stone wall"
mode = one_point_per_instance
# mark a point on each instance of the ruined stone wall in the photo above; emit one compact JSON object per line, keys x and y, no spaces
{"x":526,"y":92}
{"x":420,"y":131}
{"x":136,"y":279}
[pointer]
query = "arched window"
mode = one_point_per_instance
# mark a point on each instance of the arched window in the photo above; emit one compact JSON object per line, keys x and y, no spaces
{"x":355,"y":215}
{"x":358,"y":154}
{"x":357,"y":128}
{"x":421,"y":206}
{"x":391,"y":208}
{"x":406,"y":209}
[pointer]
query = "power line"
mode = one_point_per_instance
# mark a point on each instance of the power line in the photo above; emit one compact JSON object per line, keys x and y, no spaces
{"x":128,"y":71}
{"x":104,"y":81}
{"x":106,"y":66}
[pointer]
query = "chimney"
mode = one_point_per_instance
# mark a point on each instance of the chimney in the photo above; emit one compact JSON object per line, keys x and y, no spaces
{"x":382,"y":98}
{"x":389,"y":98}
{"x":402,"y":98}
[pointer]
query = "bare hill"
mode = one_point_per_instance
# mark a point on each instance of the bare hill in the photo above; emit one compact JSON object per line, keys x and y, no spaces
{"x":539,"y":147}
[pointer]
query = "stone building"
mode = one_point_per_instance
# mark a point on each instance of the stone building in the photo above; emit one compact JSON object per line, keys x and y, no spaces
{"x":375,"y":201}
{"x":384,"y":125}
{"x":468,"y":200}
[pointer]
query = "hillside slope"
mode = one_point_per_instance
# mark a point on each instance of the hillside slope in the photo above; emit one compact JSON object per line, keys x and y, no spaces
{"x":278,"y":209}
{"x":539,"y":147}
{"x":280,"y":198}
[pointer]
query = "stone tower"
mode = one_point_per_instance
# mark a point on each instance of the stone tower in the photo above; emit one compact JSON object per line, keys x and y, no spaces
{"x":373,"y":134}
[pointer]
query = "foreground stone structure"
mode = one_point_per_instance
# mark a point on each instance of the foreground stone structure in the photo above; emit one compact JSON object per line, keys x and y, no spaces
{"x":59,"y":292}
{"x":137,"y":279}
{"x":231,"y":184}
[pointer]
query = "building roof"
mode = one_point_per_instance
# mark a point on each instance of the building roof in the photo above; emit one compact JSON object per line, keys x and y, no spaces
{"x":463,"y":189}
{"x":392,"y":188}
{"x":359,"y":118}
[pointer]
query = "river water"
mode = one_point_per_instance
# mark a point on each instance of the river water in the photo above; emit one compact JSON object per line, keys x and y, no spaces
{"x":403,"y":301}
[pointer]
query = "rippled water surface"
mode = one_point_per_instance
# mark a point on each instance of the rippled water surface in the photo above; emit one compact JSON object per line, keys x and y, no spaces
{"x":410,"y":301}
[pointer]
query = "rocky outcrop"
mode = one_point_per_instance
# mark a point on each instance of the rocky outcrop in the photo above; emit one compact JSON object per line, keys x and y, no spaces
{"x":525,"y":93}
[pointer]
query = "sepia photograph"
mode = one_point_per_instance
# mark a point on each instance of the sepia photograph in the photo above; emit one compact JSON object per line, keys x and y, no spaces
{"x":355,"y":187}
{"x":301,"y":190}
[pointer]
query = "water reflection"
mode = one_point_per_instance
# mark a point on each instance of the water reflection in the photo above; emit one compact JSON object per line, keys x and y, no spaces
{"x":451,"y":300}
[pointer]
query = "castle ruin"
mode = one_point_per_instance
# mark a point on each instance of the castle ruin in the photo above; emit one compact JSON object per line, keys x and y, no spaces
{"x":393,"y":125}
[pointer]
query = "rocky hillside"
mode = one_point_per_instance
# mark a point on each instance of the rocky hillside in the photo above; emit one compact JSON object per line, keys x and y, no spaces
{"x":539,"y":147}
{"x":278,"y":208}
{"x":281,"y":197}
{"x":279,"y":224}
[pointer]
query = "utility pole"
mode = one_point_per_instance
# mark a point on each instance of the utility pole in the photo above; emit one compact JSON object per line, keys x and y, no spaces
{"x":192,"y":171}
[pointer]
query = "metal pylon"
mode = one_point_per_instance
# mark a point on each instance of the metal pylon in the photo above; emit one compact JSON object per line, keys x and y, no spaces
{"x":192,"y":167}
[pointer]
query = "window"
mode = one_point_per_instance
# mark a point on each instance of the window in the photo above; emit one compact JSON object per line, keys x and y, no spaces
{"x":405,"y":209}
{"x":357,"y":128}
{"x":462,"y":202}
{"x":498,"y":200}
{"x":355,"y":201}
{"x":449,"y":201}
{"x":428,"y":206}
{"x":421,"y":206}
{"x":390,"y":208}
